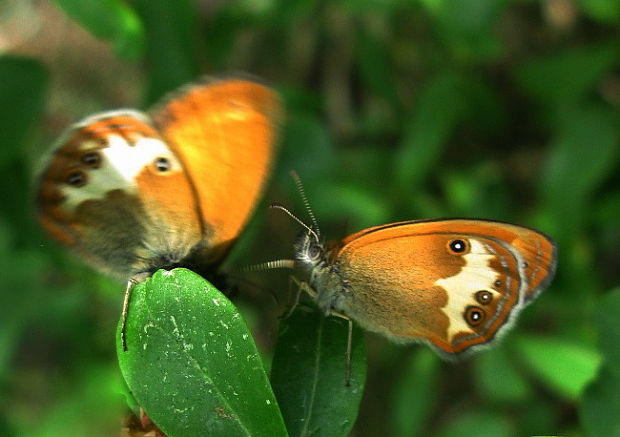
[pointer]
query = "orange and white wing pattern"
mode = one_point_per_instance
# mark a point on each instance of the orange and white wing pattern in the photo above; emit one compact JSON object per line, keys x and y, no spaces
{"x":456,"y":284}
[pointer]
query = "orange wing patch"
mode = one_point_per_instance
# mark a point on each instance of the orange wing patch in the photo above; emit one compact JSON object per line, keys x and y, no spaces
{"x":224,"y":134}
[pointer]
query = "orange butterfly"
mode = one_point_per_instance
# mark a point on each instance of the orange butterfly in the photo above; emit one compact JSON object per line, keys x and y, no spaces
{"x":131,"y":192}
{"x":455,"y":284}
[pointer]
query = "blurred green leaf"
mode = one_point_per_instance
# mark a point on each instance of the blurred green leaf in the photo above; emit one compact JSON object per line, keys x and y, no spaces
{"x":375,"y":66}
{"x":563,"y":366}
{"x":172,"y":43}
{"x":350,"y":205}
{"x":439,"y":107}
{"x":308,"y":374}
{"x":416,"y":394}
{"x":581,"y":156}
{"x":608,"y":324}
{"x":606,"y":11}
{"x":111,"y":20}
{"x":567,"y":76}
{"x":23,"y":82}
{"x":467,"y":26}
{"x":479,"y":424}
{"x":601,"y":403}
{"x":304,"y":135}
{"x":498,"y":378}
{"x":191,"y":362}
{"x":91,"y":406}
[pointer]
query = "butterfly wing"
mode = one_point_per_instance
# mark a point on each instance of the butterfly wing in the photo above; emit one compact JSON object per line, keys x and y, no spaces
{"x":456,"y":284}
{"x":132,"y":194}
{"x":103,"y":194}
{"x":224,"y":134}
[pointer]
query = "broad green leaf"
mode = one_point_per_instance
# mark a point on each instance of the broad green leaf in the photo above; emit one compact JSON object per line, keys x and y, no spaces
{"x":479,"y":424}
{"x":308,"y":375}
{"x":606,"y":11}
{"x":581,"y":156}
{"x":376,"y":67}
{"x":88,"y":406}
{"x":568,"y":75}
{"x":601,"y":403}
{"x":564,"y":367}
{"x":337,"y":201}
{"x":467,"y":26}
{"x":172,"y":36}
{"x":23,"y":85}
{"x":439,"y":106}
{"x":191,"y":362}
{"x":110,"y":20}
{"x":498,"y":378}
{"x":306,"y":136}
{"x":416,"y":394}
{"x":608,"y":324}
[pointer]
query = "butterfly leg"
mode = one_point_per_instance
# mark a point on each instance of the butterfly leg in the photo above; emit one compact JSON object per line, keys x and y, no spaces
{"x":348,"y":351}
{"x":130,"y":284}
{"x":302,"y":287}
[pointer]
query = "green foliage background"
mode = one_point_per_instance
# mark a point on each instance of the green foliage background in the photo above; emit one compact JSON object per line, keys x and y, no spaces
{"x":397,"y":109}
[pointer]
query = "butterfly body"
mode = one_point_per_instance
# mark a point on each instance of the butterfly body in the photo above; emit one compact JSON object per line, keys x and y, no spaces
{"x":132,"y":192}
{"x":455,"y":284}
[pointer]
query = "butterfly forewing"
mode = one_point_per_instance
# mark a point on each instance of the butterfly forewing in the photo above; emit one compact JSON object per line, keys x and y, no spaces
{"x":224,"y":133}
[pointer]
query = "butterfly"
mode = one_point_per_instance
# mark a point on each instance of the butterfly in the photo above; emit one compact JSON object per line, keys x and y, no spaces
{"x":455,"y":284}
{"x":133,"y":192}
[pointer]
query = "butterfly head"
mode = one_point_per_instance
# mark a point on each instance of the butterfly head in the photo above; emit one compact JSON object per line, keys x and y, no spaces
{"x":309,"y":249}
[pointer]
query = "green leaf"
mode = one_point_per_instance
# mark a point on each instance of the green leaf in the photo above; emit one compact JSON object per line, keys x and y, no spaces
{"x":307,"y":136}
{"x":191,"y":362}
{"x":375,"y":66}
{"x":467,"y":26}
{"x":564,"y":367}
{"x":606,"y":11}
{"x":172,"y":36}
{"x":479,"y":424}
{"x":601,"y":403}
{"x":568,"y":75}
{"x":498,"y":378}
{"x":110,"y":20}
{"x":89,"y":406}
{"x":23,"y":82}
{"x":581,"y":156}
{"x":439,"y":107}
{"x":308,"y":375}
{"x":416,"y":394}
{"x":608,"y":324}
{"x":362,"y":208}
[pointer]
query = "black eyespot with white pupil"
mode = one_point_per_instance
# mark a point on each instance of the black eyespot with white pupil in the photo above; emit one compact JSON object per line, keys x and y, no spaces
{"x":484,"y":297}
{"x":92,"y":159}
{"x":458,"y":246}
{"x":76,"y":178}
{"x":474,"y":315}
{"x":162,"y":164}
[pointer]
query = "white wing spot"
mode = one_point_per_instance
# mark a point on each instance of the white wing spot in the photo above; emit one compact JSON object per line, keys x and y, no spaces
{"x":475,"y":275}
{"x":120,"y":165}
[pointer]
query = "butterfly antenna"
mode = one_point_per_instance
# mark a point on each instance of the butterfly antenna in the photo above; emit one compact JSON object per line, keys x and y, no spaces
{"x":269,"y":265}
{"x":294,"y":217}
{"x":304,"y":199}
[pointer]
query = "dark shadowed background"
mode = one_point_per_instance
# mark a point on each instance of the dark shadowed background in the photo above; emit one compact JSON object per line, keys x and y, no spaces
{"x":396,"y":109}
